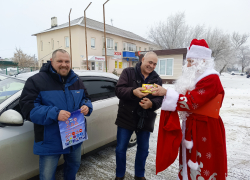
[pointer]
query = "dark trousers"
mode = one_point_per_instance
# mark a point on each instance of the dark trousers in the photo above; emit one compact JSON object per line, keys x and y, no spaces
{"x":123,"y":137}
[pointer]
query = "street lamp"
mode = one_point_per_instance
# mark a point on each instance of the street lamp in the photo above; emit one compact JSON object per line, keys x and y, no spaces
{"x":105,"y":36}
{"x":86,"y":36}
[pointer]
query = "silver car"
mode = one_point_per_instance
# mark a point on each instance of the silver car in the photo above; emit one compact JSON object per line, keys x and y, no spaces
{"x":17,"y":160}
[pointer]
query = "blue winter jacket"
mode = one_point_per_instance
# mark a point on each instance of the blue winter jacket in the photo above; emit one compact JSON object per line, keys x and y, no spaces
{"x":43,"y":96}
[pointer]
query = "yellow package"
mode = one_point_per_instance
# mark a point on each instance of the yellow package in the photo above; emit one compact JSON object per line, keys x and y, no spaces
{"x":148,"y":88}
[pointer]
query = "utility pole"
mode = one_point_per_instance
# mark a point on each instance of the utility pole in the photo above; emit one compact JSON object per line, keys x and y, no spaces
{"x":70,"y":40}
{"x":87,"y":61}
{"x":105,"y":36}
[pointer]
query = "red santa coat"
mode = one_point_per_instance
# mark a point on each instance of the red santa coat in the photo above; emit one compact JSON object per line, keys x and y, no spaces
{"x":203,"y":148}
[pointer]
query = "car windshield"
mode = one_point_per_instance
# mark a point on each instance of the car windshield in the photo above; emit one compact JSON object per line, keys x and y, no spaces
{"x":9,"y":86}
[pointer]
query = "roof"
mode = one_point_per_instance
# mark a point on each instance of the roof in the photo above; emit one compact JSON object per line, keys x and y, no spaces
{"x":96,"y":25}
{"x":166,"y":51}
{"x":25,"y":76}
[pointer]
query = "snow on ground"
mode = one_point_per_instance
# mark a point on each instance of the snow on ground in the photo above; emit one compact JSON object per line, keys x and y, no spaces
{"x":235,"y":113}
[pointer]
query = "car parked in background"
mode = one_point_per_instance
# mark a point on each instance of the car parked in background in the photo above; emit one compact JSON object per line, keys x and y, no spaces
{"x":237,"y":73}
{"x":17,"y":160}
{"x":248,"y":75}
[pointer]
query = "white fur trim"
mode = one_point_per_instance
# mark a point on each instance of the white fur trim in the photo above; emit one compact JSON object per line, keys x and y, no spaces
{"x":188,"y":144}
{"x":207,"y":73}
{"x":184,"y":156}
{"x":199,"y":52}
{"x":193,"y":165}
{"x":169,"y":102}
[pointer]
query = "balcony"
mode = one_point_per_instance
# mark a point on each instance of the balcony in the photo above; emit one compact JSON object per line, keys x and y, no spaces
{"x":128,"y":55}
{"x":110,"y":52}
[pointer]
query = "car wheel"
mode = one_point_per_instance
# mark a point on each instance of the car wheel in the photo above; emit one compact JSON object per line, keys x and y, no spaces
{"x":133,"y":140}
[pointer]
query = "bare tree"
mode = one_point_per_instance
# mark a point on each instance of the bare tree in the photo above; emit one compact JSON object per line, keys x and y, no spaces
{"x":244,"y":57}
{"x":23,"y":59}
{"x":239,"y":40}
{"x":170,"y":34}
{"x":175,"y":33}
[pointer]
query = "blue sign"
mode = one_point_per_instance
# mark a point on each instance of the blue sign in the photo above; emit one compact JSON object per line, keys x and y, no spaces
{"x":73,"y":130}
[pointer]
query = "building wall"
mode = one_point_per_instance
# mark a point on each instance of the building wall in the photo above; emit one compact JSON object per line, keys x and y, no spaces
{"x":79,"y":48}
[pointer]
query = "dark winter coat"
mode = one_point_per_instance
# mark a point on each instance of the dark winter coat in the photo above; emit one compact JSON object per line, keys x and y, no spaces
{"x":43,"y":96}
{"x":127,"y":116}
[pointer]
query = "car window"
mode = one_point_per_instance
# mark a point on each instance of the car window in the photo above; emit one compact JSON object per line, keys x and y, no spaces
{"x":100,"y":89}
{"x":9,"y":86}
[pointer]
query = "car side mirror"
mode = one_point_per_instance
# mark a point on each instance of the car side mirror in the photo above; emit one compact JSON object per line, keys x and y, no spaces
{"x":11,"y":118}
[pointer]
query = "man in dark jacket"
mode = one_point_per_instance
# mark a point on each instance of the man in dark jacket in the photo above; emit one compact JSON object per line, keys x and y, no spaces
{"x":136,"y":113}
{"x":49,"y":97}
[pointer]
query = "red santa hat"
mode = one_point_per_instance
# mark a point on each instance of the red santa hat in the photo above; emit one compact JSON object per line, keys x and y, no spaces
{"x":199,"y":49}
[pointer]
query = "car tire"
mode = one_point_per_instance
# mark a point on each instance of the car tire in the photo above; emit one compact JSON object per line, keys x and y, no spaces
{"x":133,"y":140}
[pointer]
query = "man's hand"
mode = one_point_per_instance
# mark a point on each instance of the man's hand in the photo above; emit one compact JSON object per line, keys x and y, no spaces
{"x":63,"y":115}
{"x":159,"y":91}
{"x":85,"y":109}
{"x":146,"y":103}
{"x":137,"y":92}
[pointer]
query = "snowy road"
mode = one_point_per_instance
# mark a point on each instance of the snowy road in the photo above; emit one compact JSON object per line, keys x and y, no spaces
{"x":235,"y":113}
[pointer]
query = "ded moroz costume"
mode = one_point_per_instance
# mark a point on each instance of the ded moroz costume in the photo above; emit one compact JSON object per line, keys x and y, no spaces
{"x":202,"y":138}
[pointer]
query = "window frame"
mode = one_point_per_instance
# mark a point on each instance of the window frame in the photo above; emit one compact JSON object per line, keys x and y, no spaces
{"x":99,"y":78}
{"x":91,"y":43}
{"x":52,"y":43}
{"x":41,"y":43}
{"x":116,"y":46}
{"x":129,"y":47}
{"x":159,"y":64}
{"x":66,"y":39}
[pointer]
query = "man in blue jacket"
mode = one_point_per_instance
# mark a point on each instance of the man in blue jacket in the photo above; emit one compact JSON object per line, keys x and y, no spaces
{"x":49,"y":97}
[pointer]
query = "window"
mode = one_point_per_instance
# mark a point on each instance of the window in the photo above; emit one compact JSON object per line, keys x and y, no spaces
{"x":52,"y":44}
{"x":145,"y":49}
{"x":92,"y":42}
{"x":124,"y":64}
{"x":136,"y":48}
{"x":41,"y":46}
{"x":9,"y":86}
{"x":124,"y":46}
{"x":165,"y":67}
{"x":66,"y":41}
{"x":139,"y":48}
{"x":116,"y":46}
{"x":110,"y":43}
{"x":129,"y":47}
{"x":101,"y":88}
{"x":115,"y":64}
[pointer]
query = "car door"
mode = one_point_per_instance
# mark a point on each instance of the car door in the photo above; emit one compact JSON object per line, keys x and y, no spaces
{"x":101,"y":126}
{"x":17,"y":160}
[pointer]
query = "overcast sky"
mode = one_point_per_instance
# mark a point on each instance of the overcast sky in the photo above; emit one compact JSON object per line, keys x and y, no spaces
{"x":19,"y":19}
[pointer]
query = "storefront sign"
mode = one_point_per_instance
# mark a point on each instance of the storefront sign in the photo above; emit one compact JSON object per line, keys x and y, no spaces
{"x":117,"y":55}
{"x":120,"y":65}
{"x":96,"y":58}
{"x":116,"y":64}
{"x":99,"y":59}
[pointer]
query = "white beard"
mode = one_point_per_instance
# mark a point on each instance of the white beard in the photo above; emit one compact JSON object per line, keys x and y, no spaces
{"x":187,"y":80}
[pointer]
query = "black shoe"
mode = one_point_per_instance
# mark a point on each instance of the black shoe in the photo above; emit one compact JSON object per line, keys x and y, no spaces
{"x":119,"y":178}
{"x":140,"y":178}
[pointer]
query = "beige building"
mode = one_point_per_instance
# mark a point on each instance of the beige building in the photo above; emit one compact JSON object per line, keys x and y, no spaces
{"x":121,"y":45}
{"x":170,"y":62}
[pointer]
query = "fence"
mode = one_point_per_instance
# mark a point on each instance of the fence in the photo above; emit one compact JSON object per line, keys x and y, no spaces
{"x":11,"y":71}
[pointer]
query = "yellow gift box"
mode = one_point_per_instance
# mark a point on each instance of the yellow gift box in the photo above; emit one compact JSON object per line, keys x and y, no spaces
{"x":148,"y":88}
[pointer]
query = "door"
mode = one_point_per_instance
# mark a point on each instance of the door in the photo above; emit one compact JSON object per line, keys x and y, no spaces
{"x":101,"y":126}
{"x":92,"y":65}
